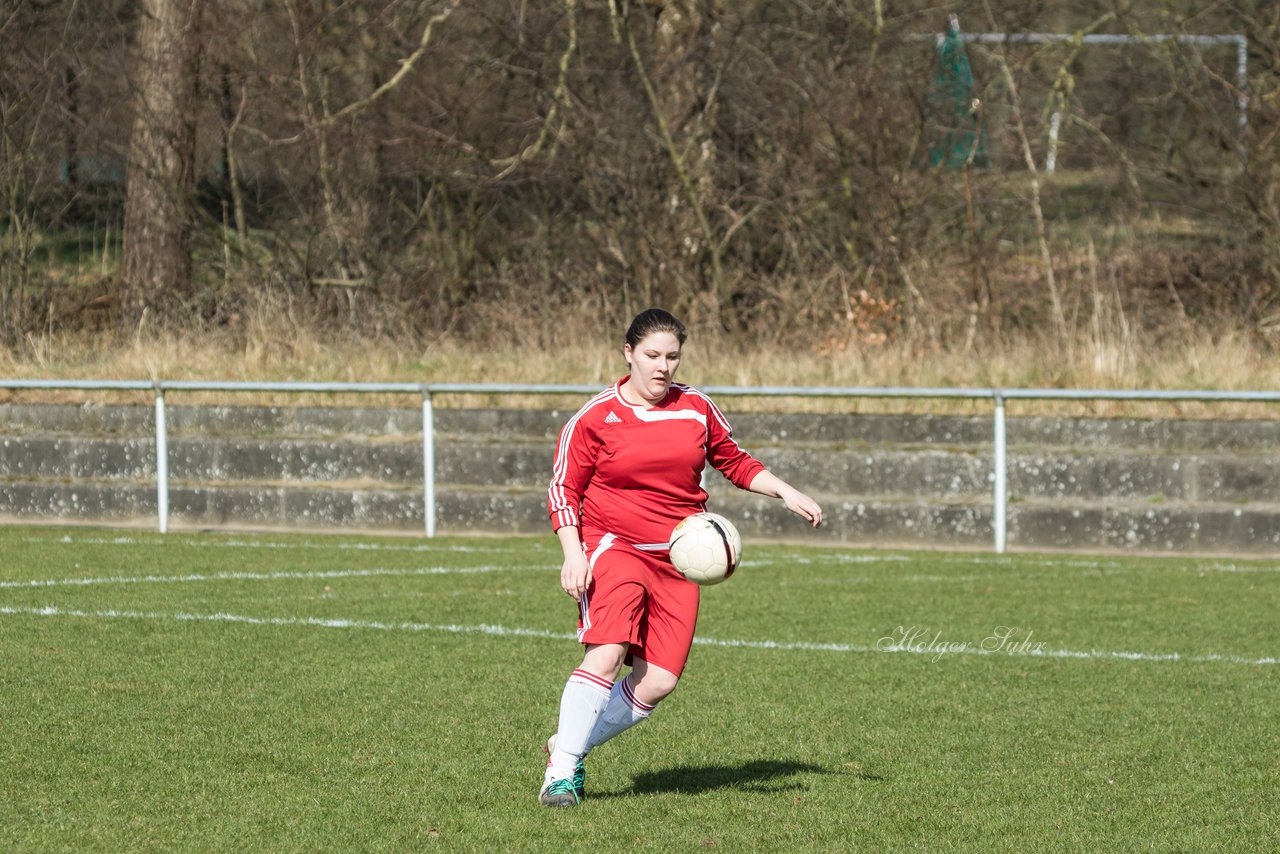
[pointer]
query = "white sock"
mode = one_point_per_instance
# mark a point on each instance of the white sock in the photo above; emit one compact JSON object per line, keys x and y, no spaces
{"x":623,"y":712}
{"x":585,"y":697}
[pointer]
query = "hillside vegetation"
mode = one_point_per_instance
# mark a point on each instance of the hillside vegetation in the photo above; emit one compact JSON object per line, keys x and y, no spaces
{"x":827,"y":193}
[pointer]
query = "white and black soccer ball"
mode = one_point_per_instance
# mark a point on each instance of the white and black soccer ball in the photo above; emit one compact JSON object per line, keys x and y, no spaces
{"x":706,"y":548}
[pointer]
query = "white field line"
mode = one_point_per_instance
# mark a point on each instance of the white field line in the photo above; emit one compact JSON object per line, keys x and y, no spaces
{"x":506,"y":631}
{"x":319,"y":622}
{"x":842,"y":557}
{"x":917,"y":578}
{"x":258,"y":544}
{"x":1154,"y":565}
{"x":260,"y":576}
{"x":378,"y":572}
{"x":833,"y":557}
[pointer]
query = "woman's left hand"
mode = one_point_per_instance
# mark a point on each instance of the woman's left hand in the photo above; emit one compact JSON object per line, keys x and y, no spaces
{"x":768,"y":483}
{"x":802,"y":505}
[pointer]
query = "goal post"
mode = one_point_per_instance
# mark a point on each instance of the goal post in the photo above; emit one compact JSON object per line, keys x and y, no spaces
{"x":1239,"y":41}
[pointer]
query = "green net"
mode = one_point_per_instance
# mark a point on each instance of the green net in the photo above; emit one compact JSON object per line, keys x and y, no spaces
{"x":955,"y":103}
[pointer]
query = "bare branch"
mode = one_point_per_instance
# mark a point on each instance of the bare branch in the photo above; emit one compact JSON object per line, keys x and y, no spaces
{"x":406,"y":66}
{"x":623,"y":27}
{"x":1046,"y":256}
{"x":558,"y":97}
{"x":328,"y":120}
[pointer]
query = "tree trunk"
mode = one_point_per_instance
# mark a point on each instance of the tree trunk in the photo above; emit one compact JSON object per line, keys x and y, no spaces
{"x":159,"y":205}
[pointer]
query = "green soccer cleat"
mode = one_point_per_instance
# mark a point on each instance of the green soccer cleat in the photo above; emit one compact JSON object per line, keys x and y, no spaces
{"x":559,"y":793}
{"x":579,"y":770}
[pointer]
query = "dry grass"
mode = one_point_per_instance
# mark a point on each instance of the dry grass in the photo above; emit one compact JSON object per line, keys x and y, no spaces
{"x":1093,"y":360}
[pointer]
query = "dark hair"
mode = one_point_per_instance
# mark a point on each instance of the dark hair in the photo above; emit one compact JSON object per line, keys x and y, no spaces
{"x":654,"y":320}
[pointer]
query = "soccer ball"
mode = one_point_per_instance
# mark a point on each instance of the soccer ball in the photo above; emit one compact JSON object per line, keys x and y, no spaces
{"x":706,"y":548}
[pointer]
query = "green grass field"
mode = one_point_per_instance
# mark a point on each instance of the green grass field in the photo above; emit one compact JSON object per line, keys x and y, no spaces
{"x":278,"y":693}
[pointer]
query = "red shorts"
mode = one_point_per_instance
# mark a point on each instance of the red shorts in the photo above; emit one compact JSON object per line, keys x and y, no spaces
{"x":638,"y":598}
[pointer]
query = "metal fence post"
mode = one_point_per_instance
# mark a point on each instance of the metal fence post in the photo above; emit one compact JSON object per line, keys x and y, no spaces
{"x":428,"y":463}
{"x":1001,"y":496}
{"x":162,"y":463}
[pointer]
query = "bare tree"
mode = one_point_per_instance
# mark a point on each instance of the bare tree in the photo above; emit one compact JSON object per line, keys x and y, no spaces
{"x":159,"y":202}
{"x":437,"y":167}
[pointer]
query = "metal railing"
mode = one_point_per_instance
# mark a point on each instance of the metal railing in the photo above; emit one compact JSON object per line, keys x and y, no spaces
{"x":427,"y":392}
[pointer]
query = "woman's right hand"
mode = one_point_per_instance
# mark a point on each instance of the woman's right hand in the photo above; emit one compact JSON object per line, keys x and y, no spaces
{"x":575,"y":575}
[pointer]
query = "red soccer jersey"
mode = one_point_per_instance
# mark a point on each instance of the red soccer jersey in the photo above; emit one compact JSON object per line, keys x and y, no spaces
{"x":636,"y":472}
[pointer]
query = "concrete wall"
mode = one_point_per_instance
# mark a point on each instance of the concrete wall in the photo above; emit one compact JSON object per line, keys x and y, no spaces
{"x":1153,"y":485}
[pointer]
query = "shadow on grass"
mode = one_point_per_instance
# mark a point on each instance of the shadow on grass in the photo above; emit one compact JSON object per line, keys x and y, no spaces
{"x":758,"y":775}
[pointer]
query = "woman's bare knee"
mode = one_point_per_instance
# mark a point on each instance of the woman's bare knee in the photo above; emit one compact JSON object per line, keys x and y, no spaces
{"x":604,"y":659}
{"x":650,"y":682}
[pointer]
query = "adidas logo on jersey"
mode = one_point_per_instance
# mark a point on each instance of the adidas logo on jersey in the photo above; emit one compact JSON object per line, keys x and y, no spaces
{"x":612,"y":418}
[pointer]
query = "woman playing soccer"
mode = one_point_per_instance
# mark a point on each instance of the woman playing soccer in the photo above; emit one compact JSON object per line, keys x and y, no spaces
{"x":628,"y":467}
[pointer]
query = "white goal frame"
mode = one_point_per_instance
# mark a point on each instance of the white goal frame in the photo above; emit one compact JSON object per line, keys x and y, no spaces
{"x":1242,"y":64}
